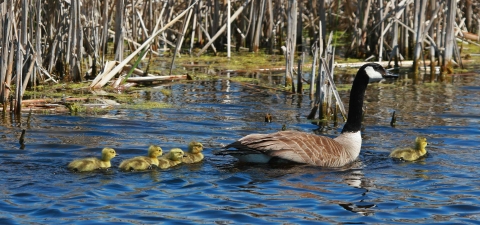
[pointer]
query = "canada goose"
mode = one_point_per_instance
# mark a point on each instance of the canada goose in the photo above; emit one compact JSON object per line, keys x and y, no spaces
{"x":194,"y":153}
{"x":89,"y":164}
{"x":412,"y":154}
{"x":172,"y":158}
{"x":309,"y":148}
{"x":142,"y":162}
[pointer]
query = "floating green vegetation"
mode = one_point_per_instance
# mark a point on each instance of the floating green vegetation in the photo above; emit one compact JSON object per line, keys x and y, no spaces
{"x":244,"y":79}
{"x":348,"y":60}
{"x":238,"y":61}
{"x":468,"y":48}
{"x":166,"y":92}
{"x":146,"y":105}
{"x":339,"y":38}
{"x":58,"y":90}
{"x":343,"y":87}
{"x":385,"y":84}
{"x":76,"y":109}
{"x":204,"y":76}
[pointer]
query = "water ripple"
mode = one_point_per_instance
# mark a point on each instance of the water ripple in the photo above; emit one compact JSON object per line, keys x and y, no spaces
{"x":440,"y":188}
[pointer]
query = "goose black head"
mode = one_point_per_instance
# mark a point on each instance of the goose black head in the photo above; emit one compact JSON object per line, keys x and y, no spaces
{"x":374,"y":71}
{"x":366,"y":73}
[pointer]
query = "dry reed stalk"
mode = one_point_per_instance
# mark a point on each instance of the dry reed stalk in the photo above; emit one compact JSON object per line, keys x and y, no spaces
{"x":119,"y":32}
{"x":131,"y":41}
{"x":229,"y":30}
{"x":449,"y":34}
{"x":290,"y":43}
{"x":258,"y":27}
{"x":178,"y":46}
{"x":222,"y":29}
{"x":29,"y":72}
{"x":7,"y":56}
{"x":299,"y":77}
{"x":380,"y":51}
{"x":194,"y":26}
{"x":314,"y":66}
{"x":419,"y":30}
{"x":107,"y":76}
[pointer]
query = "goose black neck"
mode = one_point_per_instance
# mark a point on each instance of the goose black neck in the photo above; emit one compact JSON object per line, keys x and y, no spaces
{"x":355,"y":106}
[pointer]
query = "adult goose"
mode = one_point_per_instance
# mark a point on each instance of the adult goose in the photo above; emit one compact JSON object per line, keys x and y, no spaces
{"x":306,"y":148}
{"x":90,"y":164}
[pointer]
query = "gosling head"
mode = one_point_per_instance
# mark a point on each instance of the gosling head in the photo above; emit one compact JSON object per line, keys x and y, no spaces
{"x":195,"y":147}
{"x":108,"y":153}
{"x":154,"y":151}
{"x":176,"y":154}
{"x":421,"y":142}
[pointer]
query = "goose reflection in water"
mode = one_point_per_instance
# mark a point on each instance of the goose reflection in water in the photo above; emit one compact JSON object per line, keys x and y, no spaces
{"x":352,"y":175}
{"x":310,"y":182}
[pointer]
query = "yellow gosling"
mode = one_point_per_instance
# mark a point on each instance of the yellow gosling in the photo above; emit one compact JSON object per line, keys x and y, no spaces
{"x":194,"y":153}
{"x":412,"y":154}
{"x":90,"y":164}
{"x":143,"y":162}
{"x":173,"y":158}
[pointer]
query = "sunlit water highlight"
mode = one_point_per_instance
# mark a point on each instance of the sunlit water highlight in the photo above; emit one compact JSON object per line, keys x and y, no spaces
{"x":444,"y":187}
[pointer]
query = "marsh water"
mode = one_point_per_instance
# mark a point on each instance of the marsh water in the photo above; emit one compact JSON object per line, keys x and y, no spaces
{"x":443,"y":187}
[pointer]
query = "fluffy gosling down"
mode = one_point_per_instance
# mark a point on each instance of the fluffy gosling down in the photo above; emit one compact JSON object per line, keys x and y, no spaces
{"x":90,"y":164}
{"x":194,"y":153}
{"x":173,"y":158}
{"x":412,"y":154}
{"x":143,"y":162}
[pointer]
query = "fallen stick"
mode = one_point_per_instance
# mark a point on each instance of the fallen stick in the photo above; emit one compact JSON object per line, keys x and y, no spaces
{"x":158,"y":78}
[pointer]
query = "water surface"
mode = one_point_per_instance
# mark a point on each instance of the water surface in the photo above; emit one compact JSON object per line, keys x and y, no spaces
{"x":444,"y":187}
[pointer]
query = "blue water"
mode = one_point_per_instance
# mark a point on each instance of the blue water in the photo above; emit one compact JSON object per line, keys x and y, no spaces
{"x":444,"y":187}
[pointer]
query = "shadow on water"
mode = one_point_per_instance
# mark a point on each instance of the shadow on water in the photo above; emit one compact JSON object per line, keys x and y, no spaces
{"x":443,"y":187}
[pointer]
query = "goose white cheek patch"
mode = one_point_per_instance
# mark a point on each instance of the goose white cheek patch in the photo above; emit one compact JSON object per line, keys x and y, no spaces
{"x":372,"y":73}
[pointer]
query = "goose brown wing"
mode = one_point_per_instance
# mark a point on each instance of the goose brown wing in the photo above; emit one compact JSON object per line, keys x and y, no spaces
{"x":295,"y":146}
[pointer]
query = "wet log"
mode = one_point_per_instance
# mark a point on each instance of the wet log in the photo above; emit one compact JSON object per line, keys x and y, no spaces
{"x":158,"y":78}
{"x":469,"y":36}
